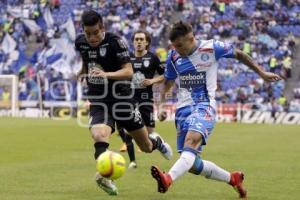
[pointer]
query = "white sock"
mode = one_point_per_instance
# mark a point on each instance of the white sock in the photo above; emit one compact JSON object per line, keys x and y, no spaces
{"x":212,"y":171}
{"x":182,"y":165}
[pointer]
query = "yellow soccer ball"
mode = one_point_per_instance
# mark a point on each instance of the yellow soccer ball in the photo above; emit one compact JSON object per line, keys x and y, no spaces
{"x":111,"y":165}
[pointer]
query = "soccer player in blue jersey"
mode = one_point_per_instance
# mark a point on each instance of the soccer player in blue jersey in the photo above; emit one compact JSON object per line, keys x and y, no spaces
{"x":194,"y":63}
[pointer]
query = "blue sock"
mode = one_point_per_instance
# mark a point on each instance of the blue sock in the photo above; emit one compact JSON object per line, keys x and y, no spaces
{"x":197,"y":166}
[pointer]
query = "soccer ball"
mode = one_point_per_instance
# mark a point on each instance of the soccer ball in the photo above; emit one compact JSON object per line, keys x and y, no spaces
{"x":111,"y":165}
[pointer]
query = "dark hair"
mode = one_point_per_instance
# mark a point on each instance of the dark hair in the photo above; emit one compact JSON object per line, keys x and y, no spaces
{"x":91,"y":18}
{"x":179,"y":29}
{"x":147,"y":35}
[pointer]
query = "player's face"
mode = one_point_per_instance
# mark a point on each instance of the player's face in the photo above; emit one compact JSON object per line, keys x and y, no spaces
{"x":184,"y":45}
{"x":94,"y":34}
{"x":139,"y":42}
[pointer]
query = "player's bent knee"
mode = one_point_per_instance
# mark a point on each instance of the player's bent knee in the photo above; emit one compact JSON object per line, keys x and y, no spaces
{"x":101,"y":132}
{"x":190,"y":142}
{"x":100,"y":136}
{"x":193,"y":139}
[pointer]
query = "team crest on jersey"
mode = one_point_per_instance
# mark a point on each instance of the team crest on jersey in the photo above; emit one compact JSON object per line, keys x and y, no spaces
{"x":102,"y":51}
{"x":146,"y":63}
{"x":204,"y":57}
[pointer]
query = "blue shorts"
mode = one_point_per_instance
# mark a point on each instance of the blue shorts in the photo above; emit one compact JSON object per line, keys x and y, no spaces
{"x":198,"y":118}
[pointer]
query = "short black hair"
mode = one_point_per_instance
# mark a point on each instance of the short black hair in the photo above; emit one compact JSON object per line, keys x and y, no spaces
{"x":147,"y":35}
{"x":91,"y":18}
{"x":180,"y":29}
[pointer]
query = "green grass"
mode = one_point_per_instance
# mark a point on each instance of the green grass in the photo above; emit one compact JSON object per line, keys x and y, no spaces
{"x":53,"y":160}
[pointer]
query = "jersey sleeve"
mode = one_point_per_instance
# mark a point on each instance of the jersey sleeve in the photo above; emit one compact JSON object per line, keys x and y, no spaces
{"x":158,"y":65}
{"x":170,"y":73}
{"x":223,"y":50}
{"x":78,"y":49}
{"x":121,"y":51}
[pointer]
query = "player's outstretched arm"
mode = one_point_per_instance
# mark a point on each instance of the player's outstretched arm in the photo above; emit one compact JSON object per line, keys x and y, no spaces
{"x":157,"y":79}
{"x":125,"y":73}
{"x":247,"y":60}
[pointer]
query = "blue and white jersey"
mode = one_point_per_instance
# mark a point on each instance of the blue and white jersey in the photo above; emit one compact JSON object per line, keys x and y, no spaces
{"x":197,"y":73}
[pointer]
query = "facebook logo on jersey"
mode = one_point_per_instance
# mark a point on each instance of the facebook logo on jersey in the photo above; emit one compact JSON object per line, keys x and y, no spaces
{"x":195,"y":83}
{"x":192,"y":80}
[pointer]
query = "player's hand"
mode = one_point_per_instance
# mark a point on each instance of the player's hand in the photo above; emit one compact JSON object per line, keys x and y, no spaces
{"x":162,"y":116}
{"x":270,"y":77}
{"x":98,"y":73}
{"x":147,"y":82}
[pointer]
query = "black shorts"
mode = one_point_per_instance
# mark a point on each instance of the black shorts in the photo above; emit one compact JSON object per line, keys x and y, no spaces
{"x":147,"y":112}
{"x":126,"y":114}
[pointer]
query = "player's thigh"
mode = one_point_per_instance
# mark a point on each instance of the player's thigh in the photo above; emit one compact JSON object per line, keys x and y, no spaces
{"x":202,"y":121}
{"x":193,"y":139}
{"x":132,"y":121}
{"x":194,"y":127}
{"x":101,"y":123}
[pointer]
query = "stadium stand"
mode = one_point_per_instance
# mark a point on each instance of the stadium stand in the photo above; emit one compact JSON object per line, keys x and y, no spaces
{"x":37,"y":38}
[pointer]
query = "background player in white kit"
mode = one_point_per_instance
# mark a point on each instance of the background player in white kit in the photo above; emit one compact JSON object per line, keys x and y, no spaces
{"x":194,"y":63}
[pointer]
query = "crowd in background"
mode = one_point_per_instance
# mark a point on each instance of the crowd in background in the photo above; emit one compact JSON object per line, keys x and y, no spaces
{"x":37,"y":39}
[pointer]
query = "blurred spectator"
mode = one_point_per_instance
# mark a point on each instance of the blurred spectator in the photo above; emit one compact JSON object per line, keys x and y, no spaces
{"x":5,"y":97}
{"x":180,"y":5}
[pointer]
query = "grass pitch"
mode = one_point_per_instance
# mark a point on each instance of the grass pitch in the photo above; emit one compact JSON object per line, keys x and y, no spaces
{"x":53,"y":160}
